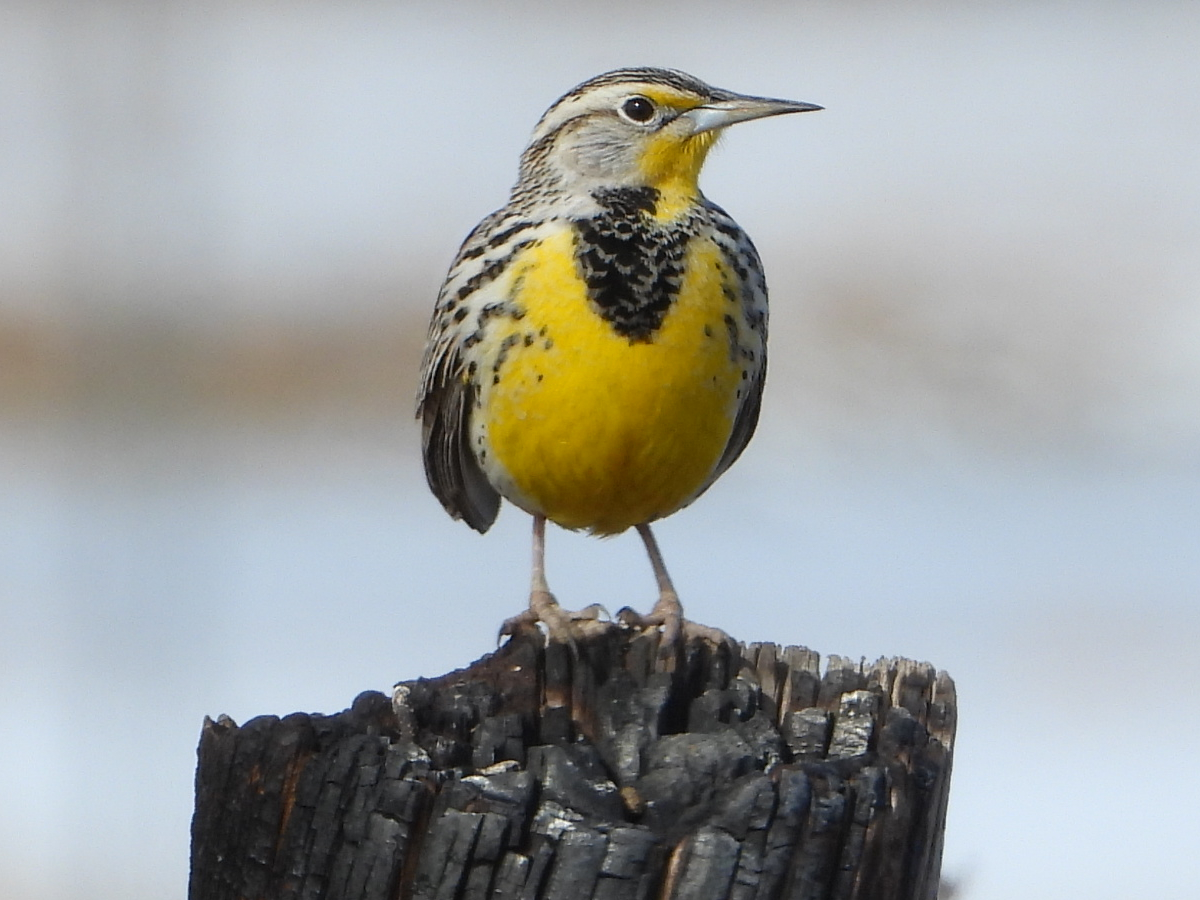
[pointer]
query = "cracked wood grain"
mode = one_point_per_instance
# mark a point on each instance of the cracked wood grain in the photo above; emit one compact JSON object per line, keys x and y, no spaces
{"x":726,"y":773}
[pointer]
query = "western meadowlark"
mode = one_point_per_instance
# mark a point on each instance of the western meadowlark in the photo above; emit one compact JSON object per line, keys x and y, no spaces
{"x":598,"y":351}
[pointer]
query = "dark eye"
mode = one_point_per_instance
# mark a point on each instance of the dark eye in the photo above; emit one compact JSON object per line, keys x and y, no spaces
{"x":638,"y":109}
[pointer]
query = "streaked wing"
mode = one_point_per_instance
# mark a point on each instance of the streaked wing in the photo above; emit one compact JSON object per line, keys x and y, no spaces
{"x":744,"y":259}
{"x":445,"y":399}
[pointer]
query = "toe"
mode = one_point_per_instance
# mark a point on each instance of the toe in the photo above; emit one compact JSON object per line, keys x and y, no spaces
{"x":561,"y":625}
{"x":696,"y":631}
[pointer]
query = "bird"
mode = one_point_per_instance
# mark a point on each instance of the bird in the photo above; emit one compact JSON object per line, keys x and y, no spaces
{"x":597,"y":352}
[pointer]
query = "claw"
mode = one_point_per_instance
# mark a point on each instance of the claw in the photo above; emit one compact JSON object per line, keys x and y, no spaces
{"x":564,"y":626}
{"x":675,"y":630}
{"x":667,"y":615}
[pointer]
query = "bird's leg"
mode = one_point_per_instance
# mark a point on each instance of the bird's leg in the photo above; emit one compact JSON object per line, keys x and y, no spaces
{"x":561,"y":625}
{"x":668,"y":611}
{"x":541,"y":602}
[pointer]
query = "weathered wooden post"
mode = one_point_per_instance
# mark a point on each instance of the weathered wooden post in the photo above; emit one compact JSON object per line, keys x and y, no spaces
{"x":728,"y":773}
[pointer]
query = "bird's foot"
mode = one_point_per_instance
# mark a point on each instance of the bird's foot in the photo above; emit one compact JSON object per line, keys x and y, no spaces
{"x":675,"y":630}
{"x":562,"y":625}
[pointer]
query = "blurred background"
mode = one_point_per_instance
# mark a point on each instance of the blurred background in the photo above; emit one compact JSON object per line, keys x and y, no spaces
{"x":222,"y":227}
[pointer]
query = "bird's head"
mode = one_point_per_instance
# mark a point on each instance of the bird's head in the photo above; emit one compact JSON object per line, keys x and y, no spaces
{"x":639,"y":127}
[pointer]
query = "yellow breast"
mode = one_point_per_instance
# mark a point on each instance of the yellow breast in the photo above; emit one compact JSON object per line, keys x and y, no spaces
{"x":588,"y":427}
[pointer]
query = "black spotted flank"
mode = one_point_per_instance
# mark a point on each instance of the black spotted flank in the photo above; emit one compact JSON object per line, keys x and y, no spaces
{"x":500,"y":237}
{"x":492,"y":270}
{"x":632,"y":265}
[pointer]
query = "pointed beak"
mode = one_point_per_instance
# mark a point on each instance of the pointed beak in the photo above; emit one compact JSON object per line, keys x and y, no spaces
{"x":722,"y":113}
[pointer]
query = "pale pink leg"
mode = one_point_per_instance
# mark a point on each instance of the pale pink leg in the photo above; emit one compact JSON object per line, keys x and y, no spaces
{"x":561,"y":625}
{"x":668,"y":611}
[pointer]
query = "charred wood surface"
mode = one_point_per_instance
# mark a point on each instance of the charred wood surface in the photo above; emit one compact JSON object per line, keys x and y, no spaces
{"x":727,"y":773}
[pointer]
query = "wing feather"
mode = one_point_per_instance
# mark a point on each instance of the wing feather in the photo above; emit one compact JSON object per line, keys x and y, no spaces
{"x":740,"y":250}
{"x":743,"y":425}
{"x":451,"y":469}
{"x":446,"y":399}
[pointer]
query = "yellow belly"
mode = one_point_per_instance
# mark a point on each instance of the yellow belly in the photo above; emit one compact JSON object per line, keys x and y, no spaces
{"x":593,"y":430}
